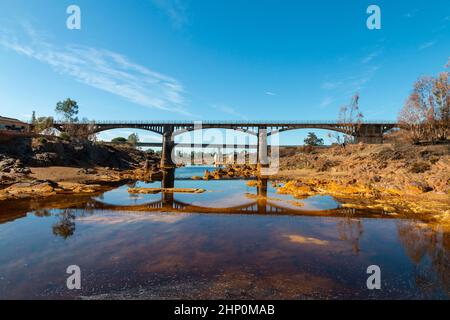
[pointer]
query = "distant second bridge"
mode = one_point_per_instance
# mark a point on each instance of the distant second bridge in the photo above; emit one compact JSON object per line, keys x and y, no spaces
{"x":206,"y":145}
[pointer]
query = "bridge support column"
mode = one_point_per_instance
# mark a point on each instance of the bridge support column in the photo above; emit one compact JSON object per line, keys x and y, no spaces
{"x":247,"y":153}
{"x":370,"y":134}
{"x":217,"y":157}
{"x":168,"y":145}
{"x":370,"y":139}
{"x":263,"y":159}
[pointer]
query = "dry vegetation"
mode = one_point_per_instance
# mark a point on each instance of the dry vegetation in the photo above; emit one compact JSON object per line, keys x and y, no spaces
{"x":392,"y":177}
{"x":426,"y":113}
{"x":391,"y":166}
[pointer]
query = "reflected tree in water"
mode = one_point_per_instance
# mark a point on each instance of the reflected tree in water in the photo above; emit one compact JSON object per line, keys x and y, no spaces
{"x":131,"y":184}
{"x":350,"y":230}
{"x":133,"y":196}
{"x":65,"y":227}
{"x":429,"y":249}
{"x":41,"y":213}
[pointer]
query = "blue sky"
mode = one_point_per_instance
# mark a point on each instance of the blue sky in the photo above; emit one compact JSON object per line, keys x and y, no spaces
{"x":206,"y":59}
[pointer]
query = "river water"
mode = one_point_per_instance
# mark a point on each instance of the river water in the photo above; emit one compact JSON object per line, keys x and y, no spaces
{"x":231,"y":242}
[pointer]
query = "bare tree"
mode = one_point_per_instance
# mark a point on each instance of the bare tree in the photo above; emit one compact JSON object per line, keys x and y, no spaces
{"x":351,"y":116}
{"x":411,"y":118}
{"x":334,"y":137}
{"x":426,"y":113}
{"x":84,"y":130}
{"x":441,"y":93}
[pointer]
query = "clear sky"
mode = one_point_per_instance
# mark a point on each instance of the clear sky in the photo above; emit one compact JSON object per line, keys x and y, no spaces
{"x":208,"y":59}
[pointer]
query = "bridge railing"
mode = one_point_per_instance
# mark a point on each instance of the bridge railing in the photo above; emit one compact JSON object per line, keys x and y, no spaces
{"x":225,"y":122}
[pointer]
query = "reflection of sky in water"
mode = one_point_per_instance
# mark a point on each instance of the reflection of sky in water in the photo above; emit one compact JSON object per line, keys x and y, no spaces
{"x":311,"y":203}
{"x":191,"y":171}
{"x":265,"y":256}
{"x":219,"y":194}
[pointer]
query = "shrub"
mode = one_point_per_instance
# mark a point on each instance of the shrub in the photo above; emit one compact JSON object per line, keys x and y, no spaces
{"x":42,"y":140}
{"x":308,"y":149}
{"x":64,"y":136}
{"x":420,"y":167}
{"x":119,"y":140}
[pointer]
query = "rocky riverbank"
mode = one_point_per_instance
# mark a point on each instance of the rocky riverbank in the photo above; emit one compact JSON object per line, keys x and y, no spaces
{"x":38,"y":167}
{"x":50,"y":181}
{"x":391,"y":177}
{"x":243,"y":171}
{"x":388,"y":168}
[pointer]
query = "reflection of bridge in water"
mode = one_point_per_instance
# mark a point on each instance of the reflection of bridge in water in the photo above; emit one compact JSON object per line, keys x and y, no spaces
{"x":167,"y":203}
{"x":262,"y":204}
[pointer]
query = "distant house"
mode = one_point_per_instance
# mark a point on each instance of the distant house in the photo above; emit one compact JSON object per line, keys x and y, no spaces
{"x":11,"y":124}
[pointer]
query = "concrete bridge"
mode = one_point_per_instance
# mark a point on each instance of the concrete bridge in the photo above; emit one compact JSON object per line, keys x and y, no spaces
{"x":367,"y":132}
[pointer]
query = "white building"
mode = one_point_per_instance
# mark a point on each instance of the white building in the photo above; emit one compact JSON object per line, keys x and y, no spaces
{"x":11,"y":124}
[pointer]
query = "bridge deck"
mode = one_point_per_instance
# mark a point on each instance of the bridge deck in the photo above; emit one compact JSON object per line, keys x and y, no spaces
{"x":249,"y":123}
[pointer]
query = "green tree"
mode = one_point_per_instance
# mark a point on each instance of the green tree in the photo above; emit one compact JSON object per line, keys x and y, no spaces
{"x":68,"y":110}
{"x":133,"y":139}
{"x":65,"y":227}
{"x":119,"y":140}
{"x":33,"y":118}
{"x":313,"y":140}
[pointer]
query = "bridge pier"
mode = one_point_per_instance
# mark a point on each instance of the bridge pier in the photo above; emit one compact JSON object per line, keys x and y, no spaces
{"x":262,"y":157}
{"x":370,"y":134}
{"x":370,"y":139}
{"x":218,"y":157}
{"x":168,"y":145}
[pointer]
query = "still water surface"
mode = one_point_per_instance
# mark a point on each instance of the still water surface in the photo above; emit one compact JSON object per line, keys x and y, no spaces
{"x":225,"y":243}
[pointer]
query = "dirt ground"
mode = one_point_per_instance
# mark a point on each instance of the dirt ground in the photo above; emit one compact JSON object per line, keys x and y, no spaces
{"x":59,"y":174}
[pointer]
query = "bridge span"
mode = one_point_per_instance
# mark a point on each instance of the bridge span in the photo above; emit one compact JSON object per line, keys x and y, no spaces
{"x":367,"y":132}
